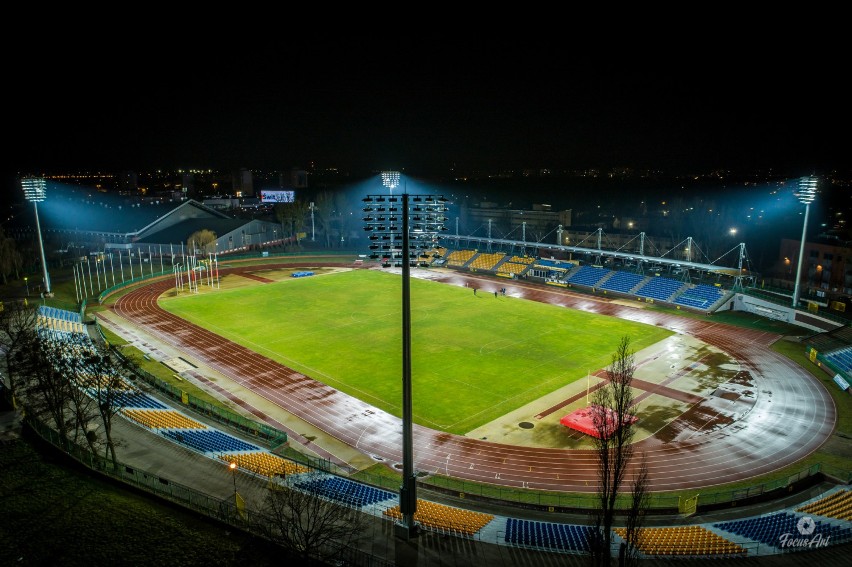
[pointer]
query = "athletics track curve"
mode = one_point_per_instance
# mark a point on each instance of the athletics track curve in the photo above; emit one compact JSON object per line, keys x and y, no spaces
{"x":792,"y":416}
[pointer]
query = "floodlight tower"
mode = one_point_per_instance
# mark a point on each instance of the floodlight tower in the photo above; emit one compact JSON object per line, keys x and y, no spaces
{"x":390,"y":179}
{"x":806,"y":195}
{"x":35,"y":191}
{"x":382,"y":214}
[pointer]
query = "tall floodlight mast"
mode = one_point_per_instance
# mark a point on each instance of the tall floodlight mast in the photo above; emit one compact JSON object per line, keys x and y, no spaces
{"x":386,"y":216}
{"x":806,"y":195}
{"x":35,"y":191}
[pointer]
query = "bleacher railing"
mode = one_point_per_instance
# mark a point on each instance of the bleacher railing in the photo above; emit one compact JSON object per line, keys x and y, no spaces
{"x":555,"y":501}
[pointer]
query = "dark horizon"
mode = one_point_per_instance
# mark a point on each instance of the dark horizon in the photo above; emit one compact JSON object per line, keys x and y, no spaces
{"x":426,"y":113}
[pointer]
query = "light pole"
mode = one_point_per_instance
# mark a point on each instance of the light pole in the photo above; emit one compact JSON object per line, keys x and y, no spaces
{"x":27,"y":284}
{"x":35,"y":191}
{"x":382,"y":214}
{"x":233,"y":467}
{"x":806,"y":195}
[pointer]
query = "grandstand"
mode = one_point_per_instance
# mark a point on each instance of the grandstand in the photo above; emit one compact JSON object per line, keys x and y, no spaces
{"x":458,"y":258}
{"x":769,"y":528}
{"x":485,"y":261}
{"x":700,"y":296}
{"x":589,"y":276}
{"x":547,"y":535}
{"x":445,"y":518}
{"x":837,"y":505}
{"x":683,"y":540}
{"x":660,"y":288}
{"x":623,"y":282}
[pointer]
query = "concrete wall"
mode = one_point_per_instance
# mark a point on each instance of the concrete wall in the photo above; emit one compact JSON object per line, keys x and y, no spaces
{"x":741,"y":302}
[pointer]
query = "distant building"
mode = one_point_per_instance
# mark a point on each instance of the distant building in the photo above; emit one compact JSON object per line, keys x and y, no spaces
{"x":824,"y":266}
{"x":187,"y":182}
{"x":294,"y":179}
{"x":243,"y":183}
{"x":514,"y":223}
{"x":127,"y":183}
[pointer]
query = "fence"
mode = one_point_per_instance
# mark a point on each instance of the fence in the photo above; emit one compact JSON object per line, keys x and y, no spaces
{"x":572,"y":502}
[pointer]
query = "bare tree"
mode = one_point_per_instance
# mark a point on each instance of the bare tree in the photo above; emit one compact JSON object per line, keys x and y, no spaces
{"x":201,"y":240}
{"x":307,"y":525}
{"x":17,"y":335}
{"x":325,"y":210}
{"x":82,"y":405}
{"x":107,"y":387}
{"x":291,"y":216}
{"x":48,"y":389}
{"x":628,"y":554}
{"x":613,"y":418}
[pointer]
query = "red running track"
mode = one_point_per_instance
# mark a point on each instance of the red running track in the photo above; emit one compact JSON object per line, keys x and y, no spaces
{"x":793,"y":414}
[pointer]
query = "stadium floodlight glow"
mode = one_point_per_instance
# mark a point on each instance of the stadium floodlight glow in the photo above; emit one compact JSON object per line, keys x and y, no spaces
{"x":35,"y":191}
{"x":406,"y":247}
{"x":806,"y":195}
{"x":390,"y":179}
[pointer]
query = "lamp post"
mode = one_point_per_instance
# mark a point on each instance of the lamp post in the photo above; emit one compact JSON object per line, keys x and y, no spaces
{"x":35,"y":191}
{"x":382,"y":214}
{"x":806,"y":195}
{"x":27,"y":284}
{"x":233,"y":467}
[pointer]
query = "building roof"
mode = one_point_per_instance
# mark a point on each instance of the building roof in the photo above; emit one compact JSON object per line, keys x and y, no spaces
{"x":70,"y":211}
{"x":180,"y":232}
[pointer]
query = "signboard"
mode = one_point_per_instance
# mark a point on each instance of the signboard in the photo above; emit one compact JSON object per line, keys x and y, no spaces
{"x":270,"y":196}
{"x":843,"y":384}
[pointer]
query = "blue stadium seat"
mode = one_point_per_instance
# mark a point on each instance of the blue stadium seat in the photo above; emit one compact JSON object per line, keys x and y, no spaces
{"x":588,"y":275}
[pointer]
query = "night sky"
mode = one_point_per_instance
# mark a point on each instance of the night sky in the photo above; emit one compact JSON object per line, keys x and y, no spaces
{"x":366,"y":106}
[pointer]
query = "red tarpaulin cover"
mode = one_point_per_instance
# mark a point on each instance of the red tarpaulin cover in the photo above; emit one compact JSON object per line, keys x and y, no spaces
{"x":583,"y":420}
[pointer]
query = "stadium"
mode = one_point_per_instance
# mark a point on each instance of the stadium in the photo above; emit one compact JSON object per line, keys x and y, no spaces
{"x":509,"y":341}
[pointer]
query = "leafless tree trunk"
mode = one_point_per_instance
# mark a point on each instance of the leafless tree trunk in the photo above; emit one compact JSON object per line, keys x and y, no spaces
{"x":48,"y":389}
{"x":639,"y":496}
{"x":307,"y":525}
{"x":17,"y":334}
{"x":325,"y":208}
{"x":82,"y":405}
{"x":613,"y":418}
{"x":106,"y":388}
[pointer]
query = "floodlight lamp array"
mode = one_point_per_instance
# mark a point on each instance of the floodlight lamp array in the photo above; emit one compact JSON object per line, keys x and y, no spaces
{"x":390,"y":179}
{"x":383,"y":221}
{"x":807,"y":190}
{"x":35,"y":189}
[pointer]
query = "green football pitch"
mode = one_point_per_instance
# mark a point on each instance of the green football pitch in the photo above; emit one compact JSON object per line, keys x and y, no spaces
{"x":474,"y":357}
